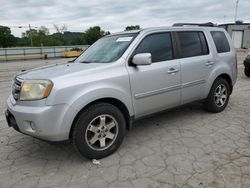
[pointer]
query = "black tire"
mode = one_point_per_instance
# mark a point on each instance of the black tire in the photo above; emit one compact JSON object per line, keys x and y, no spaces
{"x":247,"y":71}
{"x":80,"y":140}
{"x":210,"y":104}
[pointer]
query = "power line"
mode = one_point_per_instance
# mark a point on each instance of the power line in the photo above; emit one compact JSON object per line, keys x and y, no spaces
{"x":70,"y":29}
{"x":27,"y":27}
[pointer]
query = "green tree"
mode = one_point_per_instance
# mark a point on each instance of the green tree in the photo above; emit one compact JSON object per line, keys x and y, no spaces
{"x":39,"y":37}
{"x":43,"y":37}
{"x":44,"y":30}
{"x":23,"y":41}
{"x":132,"y":27}
{"x":93,"y":34}
{"x":6,"y":38}
{"x":73,"y":38}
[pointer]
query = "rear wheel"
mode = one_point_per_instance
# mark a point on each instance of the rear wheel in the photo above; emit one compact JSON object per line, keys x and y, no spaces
{"x":218,"y":96}
{"x":247,"y":71}
{"x":99,"y":131}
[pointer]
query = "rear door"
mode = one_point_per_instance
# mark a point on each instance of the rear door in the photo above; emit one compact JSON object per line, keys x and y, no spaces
{"x":196,"y":64}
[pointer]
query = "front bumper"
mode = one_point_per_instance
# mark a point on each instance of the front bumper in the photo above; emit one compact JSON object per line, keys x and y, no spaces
{"x":51,"y":123}
{"x":11,"y":120}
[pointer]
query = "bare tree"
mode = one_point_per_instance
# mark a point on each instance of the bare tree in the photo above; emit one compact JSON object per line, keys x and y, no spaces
{"x":60,"y":29}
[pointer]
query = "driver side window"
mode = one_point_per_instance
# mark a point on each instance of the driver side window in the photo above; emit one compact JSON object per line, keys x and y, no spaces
{"x":159,"y":45}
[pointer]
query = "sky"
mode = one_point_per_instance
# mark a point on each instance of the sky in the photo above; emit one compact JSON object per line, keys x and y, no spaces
{"x":115,"y":15}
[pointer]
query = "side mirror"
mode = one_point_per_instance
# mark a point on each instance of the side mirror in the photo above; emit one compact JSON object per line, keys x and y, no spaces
{"x":142,"y":59}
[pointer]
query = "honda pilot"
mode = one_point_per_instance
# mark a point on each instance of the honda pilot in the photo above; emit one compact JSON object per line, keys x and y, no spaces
{"x":120,"y":78}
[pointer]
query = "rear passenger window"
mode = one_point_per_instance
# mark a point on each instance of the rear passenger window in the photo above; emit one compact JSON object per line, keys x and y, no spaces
{"x":159,"y":45}
{"x":192,"y":43}
{"x":220,"y":41}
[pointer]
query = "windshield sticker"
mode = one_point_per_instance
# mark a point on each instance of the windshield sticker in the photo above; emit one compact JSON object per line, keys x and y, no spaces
{"x":124,"y":39}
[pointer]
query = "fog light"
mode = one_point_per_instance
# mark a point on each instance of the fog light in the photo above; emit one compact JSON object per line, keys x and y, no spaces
{"x":32,"y":125}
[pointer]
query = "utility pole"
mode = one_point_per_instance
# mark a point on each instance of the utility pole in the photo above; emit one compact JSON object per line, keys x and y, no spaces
{"x":31,"y":40}
{"x":30,"y":31}
{"x":236,"y":10}
{"x":235,"y":19}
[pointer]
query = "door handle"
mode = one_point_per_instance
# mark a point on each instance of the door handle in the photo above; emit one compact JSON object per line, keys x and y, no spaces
{"x":209,"y":63}
{"x":172,"y":70}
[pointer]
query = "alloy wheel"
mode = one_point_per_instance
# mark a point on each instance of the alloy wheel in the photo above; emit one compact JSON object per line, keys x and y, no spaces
{"x":220,"y":96}
{"x":101,"y":132}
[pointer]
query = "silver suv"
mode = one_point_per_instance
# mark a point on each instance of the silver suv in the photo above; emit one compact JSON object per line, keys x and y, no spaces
{"x":120,"y":78}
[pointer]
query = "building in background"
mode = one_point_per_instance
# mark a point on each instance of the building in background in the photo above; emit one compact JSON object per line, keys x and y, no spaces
{"x":240,"y":33}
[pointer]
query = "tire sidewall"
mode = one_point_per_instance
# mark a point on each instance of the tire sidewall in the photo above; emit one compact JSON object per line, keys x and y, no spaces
{"x":211,"y":105}
{"x":83,"y":122}
{"x":247,"y":71}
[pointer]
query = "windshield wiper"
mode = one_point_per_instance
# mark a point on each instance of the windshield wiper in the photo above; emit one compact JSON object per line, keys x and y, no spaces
{"x":85,"y":62}
{"x":72,"y":61}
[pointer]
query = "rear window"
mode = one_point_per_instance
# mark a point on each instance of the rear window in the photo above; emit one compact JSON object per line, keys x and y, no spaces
{"x":220,"y":41}
{"x":192,"y":43}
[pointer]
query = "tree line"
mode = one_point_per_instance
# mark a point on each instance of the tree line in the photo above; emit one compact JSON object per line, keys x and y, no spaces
{"x":42,"y":36}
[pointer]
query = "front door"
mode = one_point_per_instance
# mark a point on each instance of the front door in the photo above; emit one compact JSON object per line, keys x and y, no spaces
{"x":157,"y":86}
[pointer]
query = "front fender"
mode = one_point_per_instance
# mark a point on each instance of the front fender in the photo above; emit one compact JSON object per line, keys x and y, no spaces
{"x":89,"y":96}
{"x":79,"y":100}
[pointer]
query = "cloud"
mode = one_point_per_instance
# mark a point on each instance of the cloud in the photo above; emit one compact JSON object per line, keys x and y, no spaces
{"x":114,"y":16}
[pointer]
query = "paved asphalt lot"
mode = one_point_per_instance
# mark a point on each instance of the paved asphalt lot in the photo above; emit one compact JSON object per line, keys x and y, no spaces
{"x":184,"y":147}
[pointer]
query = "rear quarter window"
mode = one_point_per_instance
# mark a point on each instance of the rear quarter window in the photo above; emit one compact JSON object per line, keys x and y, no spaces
{"x":220,"y":41}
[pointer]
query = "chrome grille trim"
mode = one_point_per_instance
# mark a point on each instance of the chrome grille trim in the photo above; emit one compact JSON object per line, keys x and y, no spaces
{"x":16,"y":88}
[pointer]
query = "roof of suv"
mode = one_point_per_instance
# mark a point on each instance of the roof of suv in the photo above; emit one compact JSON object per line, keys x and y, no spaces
{"x":171,"y":28}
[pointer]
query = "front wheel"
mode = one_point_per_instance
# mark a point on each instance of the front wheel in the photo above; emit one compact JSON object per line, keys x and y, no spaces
{"x":218,"y":96}
{"x":247,"y":71}
{"x":99,"y":131}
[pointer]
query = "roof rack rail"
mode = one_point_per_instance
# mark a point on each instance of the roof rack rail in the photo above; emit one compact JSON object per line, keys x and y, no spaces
{"x":208,"y":24}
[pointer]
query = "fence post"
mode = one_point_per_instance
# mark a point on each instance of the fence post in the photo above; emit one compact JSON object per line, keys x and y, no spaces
{"x":54,"y":51}
{"x":41,"y":50}
{"x":24,"y":54}
{"x":5,"y":51}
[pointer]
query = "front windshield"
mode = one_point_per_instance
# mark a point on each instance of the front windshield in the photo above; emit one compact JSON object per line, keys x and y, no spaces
{"x":107,"y":49}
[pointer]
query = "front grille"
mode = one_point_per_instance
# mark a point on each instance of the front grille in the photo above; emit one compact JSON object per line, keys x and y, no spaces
{"x":16,"y":88}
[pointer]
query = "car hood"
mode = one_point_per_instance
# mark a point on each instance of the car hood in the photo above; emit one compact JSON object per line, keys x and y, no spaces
{"x":57,"y":70}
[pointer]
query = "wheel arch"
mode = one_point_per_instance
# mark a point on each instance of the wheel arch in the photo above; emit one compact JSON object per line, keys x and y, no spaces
{"x":214,"y":76}
{"x":228,"y":79}
{"x":119,"y":104}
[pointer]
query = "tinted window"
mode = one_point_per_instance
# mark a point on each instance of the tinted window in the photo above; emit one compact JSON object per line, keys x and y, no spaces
{"x":203,"y":43}
{"x":192,"y":43}
{"x":220,"y":41}
{"x":159,"y":45}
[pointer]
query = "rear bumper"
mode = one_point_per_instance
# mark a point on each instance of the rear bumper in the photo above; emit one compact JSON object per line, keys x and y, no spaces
{"x":51,"y":123}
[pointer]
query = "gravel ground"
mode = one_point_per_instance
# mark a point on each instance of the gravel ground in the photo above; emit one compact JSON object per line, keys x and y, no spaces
{"x":184,"y":147}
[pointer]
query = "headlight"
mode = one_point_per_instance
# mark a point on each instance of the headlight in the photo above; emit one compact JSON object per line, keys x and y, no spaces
{"x":35,"y":89}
